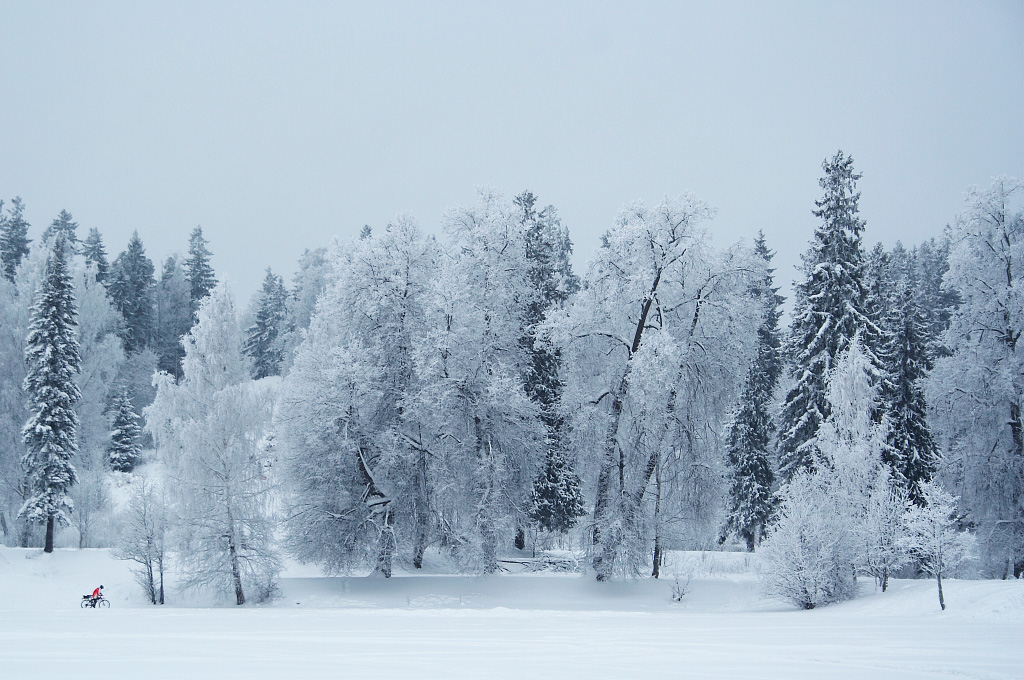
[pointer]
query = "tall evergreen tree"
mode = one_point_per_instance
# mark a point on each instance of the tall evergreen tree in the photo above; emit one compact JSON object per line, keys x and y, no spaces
{"x":124,"y":448}
{"x":910,"y":450}
{"x":173,"y":316}
{"x":198,"y":271}
{"x":65,"y":224}
{"x":264,"y":339}
{"x":131,"y":290}
{"x":13,"y":237}
{"x":749,"y":459}
{"x":829,"y":310}
{"x":52,"y":355}
{"x":557,"y":497}
{"x":96,"y":254}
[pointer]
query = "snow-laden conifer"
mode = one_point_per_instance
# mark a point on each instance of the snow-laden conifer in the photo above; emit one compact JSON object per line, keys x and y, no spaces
{"x":96,"y":255}
{"x":751,"y":494}
{"x":910,"y":451}
{"x":52,"y":355}
{"x":829,"y":311}
{"x":264,"y":342}
{"x":13,"y":237}
{"x":64,"y":224}
{"x":131,"y":290}
{"x":125,"y":446}
{"x":198,"y":270}
{"x":557,"y":497}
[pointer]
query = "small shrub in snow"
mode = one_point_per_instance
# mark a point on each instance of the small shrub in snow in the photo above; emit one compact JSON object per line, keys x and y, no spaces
{"x":933,"y":537}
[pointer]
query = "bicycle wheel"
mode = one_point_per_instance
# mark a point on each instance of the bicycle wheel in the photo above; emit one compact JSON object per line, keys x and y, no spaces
{"x":103,"y":604}
{"x":85,"y":604}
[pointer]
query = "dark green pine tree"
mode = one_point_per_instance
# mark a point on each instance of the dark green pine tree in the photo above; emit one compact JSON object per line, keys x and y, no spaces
{"x":910,"y":450}
{"x":749,"y":454}
{"x":557,"y":496}
{"x":198,"y":271}
{"x":52,"y":355}
{"x":96,"y":254}
{"x":264,"y":339}
{"x":828,"y":313}
{"x":131,"y":290}
{"x":125,"y":447}
{"x":13,"y":237}
{"x":63,"y":224}
{"x":173,"y":307}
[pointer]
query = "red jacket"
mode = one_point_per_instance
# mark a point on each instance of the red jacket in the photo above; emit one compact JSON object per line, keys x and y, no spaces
{"x":96,"y":593}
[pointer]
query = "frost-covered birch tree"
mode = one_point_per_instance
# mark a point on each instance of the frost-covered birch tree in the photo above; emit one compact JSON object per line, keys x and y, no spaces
{"x":933,"y":536}
{"x":210,"y":430}
{"x":977,"y":392}
{"x":471,"y":405}
{"x":654,"y":339}
{"x":360,"y":470}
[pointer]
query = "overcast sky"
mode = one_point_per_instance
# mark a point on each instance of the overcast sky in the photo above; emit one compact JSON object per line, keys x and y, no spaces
{"x":278,"y":126}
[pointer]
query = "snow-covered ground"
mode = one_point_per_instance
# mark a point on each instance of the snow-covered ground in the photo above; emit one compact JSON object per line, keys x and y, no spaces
{"x":507,"y":626}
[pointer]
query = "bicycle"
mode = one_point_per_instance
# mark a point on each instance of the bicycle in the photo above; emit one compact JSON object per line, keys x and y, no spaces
{"x":101,"y":602}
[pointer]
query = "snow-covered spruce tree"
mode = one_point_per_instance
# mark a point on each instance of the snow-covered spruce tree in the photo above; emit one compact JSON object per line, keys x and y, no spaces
{"x":173,"y":310}
{"x":910,"y":450}
{"x":308,"y":284}
{"x":96,"y":255}
{"x":264,"y":339}
{"x":749,"y":455}
{"x":821,"y":536}
{"x":65,"y":224}
{"x":360,"y":471}
{"x":470,"y":404}
{"x":658,"y":341}
{"x":828,"y":312}
{"x":557,"y":498}
{"x":198,"y":271}
{"x":142,"y":536}
{"x":933,"y":537}
{"x":13,"y":238}
{"x":124,"y":449}
{"x":51,"y":352}
{"x":131,"y":289}
{"x":977,"y":392}
{"x":209,"y":430}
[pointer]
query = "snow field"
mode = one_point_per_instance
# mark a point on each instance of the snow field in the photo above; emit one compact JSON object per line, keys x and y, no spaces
{"x":507,"y":626}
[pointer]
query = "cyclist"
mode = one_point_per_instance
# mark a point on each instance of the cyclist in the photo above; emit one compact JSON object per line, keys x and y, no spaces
{"x":96,"y":595}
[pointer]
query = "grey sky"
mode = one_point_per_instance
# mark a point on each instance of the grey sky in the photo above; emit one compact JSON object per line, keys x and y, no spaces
{"x":277,"y":126}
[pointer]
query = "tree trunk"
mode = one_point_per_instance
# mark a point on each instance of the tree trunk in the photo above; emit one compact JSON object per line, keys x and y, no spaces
{"x":656,"y":569}
{"x":26,"y":534}
{"x":387,"y":546}
{"x":150,"y":584}
{"x":421,"y":510}
{"x":942,"y":602}
{"x":236,"y":571}
{"x":160,"y":566}
{"x":3,"y":522}
{"x":48,"y":545}
{"x":885,"y":579}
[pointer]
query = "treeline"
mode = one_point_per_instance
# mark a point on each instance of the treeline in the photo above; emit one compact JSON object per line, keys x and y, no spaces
{"x":471,"y":394}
